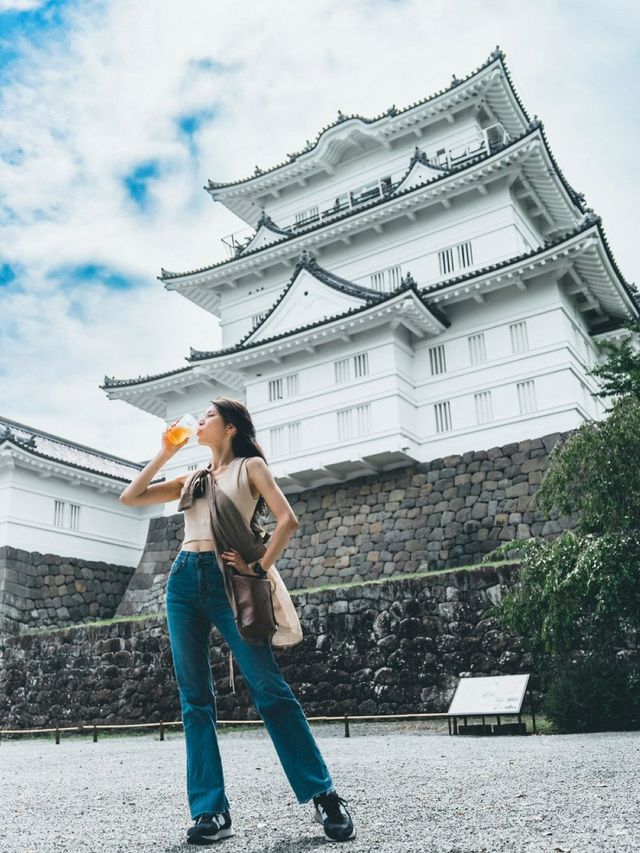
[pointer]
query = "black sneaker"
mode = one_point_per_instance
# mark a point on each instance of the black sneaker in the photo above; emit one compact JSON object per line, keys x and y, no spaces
{"x":209,"y":828}
{"x":330,"y":811}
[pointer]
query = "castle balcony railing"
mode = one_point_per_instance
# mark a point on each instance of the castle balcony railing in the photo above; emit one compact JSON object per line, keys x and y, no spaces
{"x":485,"y":141}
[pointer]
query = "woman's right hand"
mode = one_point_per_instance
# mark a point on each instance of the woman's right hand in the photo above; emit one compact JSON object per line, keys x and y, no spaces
{"x":168,"y":446}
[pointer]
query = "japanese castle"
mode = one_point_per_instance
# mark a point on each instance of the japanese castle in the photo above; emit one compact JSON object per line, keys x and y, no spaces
{"x":408,"y":286}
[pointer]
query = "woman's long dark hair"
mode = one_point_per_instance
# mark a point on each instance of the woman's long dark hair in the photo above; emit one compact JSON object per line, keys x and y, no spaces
{"x":244,"y":443}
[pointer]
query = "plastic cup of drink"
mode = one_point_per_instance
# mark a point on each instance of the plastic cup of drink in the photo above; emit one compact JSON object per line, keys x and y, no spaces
{"x":184,"y":428}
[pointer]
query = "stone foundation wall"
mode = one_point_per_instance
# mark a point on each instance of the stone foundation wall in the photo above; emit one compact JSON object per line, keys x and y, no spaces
{"x":382,"y":647}
{"x":434,"y":515}
{"x":38,"y":590}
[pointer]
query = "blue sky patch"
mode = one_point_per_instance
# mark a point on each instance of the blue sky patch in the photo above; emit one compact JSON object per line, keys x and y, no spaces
{"x":7,"y":274}
{"x":138,"y":181}
{"x":38,"y":26}
{"x":72,"y":276}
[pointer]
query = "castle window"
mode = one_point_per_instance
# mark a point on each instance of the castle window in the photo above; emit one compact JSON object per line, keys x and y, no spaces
{"x":443,"y":416}
{"x":484,"y":407}
{"x":58,"y":513}
{"x":465,"y":255}
{"x":353,"y":367}
{"x":527,"y":396}
{"x":445,"y":258}
{"x":306,"y":217}
{"x":74,"y":516}
{"x":354,"y":421}
{"x":519,"y":338}
{"x":477,"y":349}
{"x":283,"y":386}
{"x":437,"y":360}
{"x":387,"y":279}
{"x":284,"y":438}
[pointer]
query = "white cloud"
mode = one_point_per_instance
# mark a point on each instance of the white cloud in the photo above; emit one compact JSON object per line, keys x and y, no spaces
{"x":103,"y":95}
{"x":20,"y":5}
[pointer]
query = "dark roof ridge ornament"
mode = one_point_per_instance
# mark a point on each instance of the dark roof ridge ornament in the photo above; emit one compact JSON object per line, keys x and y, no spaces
{"x":419,"y":156}
{"x":407,"y":281}
{"x":498,"y":53}
{"x":535,"y":123}
{"x":392,"y":111}
{"x":341,"y":116}
{"x":454,"y":81}
{"x":306,"y":260}
{"x":591,"y":217}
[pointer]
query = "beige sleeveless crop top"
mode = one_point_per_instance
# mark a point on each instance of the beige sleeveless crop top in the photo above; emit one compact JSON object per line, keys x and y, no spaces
{"x":234,"y":481}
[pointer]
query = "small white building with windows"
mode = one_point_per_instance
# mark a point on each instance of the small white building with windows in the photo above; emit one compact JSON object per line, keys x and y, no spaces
{"x":59,"y":497}
{"x":417,"y":284}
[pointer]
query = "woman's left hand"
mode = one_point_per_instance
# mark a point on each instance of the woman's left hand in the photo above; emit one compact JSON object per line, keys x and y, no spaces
{"x":237,"y":561}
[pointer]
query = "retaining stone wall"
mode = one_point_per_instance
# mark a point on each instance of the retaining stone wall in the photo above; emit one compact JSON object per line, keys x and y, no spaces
{"x":434,"y":515}
{"x":385,"y":647}
{"x":38,"y":590}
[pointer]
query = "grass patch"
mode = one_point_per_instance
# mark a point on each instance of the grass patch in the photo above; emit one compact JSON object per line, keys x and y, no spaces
{"x":293,"y":592}
{"x":398,"y":576}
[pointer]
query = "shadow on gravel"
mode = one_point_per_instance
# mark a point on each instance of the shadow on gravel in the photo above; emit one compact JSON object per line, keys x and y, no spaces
{"x":293,"y":845}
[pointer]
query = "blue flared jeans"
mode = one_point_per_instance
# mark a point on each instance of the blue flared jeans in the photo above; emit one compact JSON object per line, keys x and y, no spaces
{"x":196,"y":600}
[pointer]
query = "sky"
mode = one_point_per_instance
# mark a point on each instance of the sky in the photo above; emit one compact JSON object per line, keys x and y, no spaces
{"x":113,"y":116}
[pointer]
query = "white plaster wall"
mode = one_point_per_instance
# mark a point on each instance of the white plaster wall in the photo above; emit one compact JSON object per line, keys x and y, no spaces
{"x":492,"y":224}
{"x":364,"y":168}
{"x":107,"y":531}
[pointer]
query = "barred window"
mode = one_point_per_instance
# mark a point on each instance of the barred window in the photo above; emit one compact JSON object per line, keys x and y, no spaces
{"x":354,"y":421}
{"x":527,"y":396}
{"x":275,"y":389}
{"x":445,"y":259}
{"x":387,"y":279}
{"x":258,"y":318}
{"x":285,"y":438}
{"x":58,"y":513}
{"x":519,"y":338}
{"x":74,"y":516}
{"x":437,"y":360}
{"x":484,"y":407}
{"x":465,"y":255}
{"x":477,"y":349}
{"x":443,"y":416}
{"x":352,"y":367}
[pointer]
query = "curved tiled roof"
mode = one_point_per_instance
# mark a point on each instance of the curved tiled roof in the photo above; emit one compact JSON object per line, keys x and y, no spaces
{"x":57,"y":449}
{"x":308,"y":262}
{"x":589,"y":220}
{"x":535,"y":126}
{"x":497,"y":55}
{"x":407,"y":284}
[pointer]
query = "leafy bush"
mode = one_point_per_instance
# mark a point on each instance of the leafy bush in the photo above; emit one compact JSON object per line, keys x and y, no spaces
{"x":594,"y":694}
{"x":577,"y":604}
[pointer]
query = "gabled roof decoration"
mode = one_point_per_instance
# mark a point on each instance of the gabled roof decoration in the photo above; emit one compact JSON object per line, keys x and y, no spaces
{"x":266,"y":233}
{"x":62,"y":451}
{"x":536,"y":126}
{"x":420,"y":172}
{"x":308,"y":262}
{"x":497,"y":56}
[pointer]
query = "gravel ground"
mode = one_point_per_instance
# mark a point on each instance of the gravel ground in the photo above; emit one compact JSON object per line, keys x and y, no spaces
{"x":408,"y":787}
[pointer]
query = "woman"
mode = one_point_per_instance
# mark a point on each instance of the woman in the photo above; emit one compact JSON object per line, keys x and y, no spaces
{"x":196,"y":599}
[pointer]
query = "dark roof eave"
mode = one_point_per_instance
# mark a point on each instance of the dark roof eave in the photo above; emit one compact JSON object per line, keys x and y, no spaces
{"x":20,"y":446}
{"x":582,"y":228}
{"x":168,"y":276}
{"x":575,"y":198}
{"x":496,"y":56}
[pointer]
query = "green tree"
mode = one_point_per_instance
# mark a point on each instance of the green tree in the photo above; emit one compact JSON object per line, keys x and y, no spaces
{"x":577,"y":604}
{"x":620,"y":373}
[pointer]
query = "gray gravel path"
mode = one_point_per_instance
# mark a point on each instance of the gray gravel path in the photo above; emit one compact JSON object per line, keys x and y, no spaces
{"x":408,"y":788}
